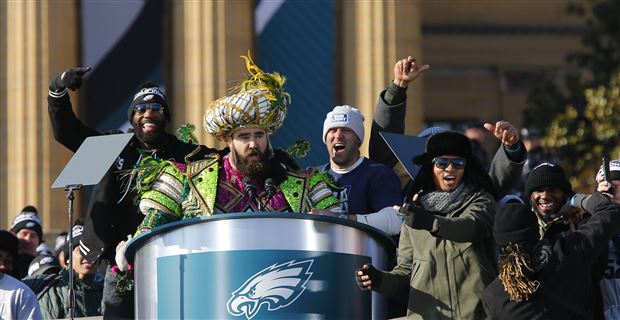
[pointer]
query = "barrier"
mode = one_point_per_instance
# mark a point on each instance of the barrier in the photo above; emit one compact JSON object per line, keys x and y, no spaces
{"x":263,"y":265}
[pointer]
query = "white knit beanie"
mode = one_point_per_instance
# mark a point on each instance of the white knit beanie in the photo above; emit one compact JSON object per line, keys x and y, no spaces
{"x":345,"y":117}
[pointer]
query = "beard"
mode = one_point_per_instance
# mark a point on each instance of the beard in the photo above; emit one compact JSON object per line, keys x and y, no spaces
{"x":259,"y":170}
{"x":152,"y":138}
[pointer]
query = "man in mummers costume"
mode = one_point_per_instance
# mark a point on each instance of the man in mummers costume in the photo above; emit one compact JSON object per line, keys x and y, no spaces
{"x":251,"y":177}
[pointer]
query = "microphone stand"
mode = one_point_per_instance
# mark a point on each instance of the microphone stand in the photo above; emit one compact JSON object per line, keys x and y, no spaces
{"x":70,"y":197}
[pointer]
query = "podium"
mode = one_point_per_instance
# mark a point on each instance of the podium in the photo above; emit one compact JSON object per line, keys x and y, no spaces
{"x":257,"y":265}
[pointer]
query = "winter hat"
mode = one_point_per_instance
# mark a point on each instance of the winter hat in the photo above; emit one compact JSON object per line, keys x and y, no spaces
{"x":8,"y":242}
{"x":28,"y":219}
{"x":614,"y":171}
{"x":344,"y":117}
{"x":547,"y":175}
{"x":430,"y":131}
{"x":148,"y":92}
{"x":515,"y":223}
{"x":44,"y":248}
{"x":42,"y":263}
{"x":445,"y":143}
{"x":77,"y":232}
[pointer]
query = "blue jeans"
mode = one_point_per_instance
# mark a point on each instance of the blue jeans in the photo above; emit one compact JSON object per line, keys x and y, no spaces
{"x":116,"y":305}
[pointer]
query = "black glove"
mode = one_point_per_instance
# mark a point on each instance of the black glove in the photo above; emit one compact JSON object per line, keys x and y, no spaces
{"x":417,"y":217}
{"x":70,"y":78}
{"x":373,"y":273}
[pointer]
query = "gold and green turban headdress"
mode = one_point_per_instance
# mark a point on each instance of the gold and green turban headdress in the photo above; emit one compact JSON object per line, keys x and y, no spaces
{"x":258,"y":102}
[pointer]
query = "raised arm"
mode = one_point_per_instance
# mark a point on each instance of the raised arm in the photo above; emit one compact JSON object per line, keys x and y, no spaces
{"x":391,"y":109}
{"x":507,"y":164}
{"x":67,"y":128}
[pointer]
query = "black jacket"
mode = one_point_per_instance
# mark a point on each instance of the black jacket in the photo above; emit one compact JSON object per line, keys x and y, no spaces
{"x":565,"y":279}
{"x":111,"y":214}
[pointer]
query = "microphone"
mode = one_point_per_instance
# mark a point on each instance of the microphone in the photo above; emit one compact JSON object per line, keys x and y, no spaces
{"x":270,"y":188}
{"x":580,"y":201}
{"x":249,"y":188}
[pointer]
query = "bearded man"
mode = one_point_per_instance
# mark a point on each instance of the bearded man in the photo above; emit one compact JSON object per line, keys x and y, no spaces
{"x":251,"y":177}
{"x":111,"y":213}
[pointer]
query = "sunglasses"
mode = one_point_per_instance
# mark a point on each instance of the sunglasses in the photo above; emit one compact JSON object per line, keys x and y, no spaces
{"x":443,"y":163}
{"x":154,"y":107}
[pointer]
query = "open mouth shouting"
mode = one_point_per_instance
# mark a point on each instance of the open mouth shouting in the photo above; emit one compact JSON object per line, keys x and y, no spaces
{"x":339,"y":148}
{"x":450,"y":181}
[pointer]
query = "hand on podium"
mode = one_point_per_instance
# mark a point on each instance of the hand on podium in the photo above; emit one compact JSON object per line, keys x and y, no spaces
{"x":121,"y":260}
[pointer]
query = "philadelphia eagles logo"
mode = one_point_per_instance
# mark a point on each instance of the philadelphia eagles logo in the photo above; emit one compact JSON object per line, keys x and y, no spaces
{"x":275,"y":287}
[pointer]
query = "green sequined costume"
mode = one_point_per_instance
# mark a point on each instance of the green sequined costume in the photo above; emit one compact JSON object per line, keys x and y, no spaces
{"x":176,"y":194}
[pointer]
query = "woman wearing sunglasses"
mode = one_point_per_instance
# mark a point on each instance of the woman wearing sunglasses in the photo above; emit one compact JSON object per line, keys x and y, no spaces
{"x":446,"y":255}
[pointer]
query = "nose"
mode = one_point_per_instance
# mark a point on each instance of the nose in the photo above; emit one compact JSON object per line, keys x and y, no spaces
{"x":148,"y":112}
{"x":338,"y":133}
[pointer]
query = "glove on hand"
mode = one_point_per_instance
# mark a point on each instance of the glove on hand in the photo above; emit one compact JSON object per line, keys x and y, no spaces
{"x":121,"y":260}
{"x":373,"y":273}
{"x":417,"y":217}
{"x":70,"y":78}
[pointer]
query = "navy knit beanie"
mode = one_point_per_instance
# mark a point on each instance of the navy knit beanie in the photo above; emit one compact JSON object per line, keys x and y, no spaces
{"x":148,"y":92}
{"x":28,"y":219}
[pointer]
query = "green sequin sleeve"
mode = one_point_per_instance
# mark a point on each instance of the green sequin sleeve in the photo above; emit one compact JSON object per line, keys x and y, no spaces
{"x":320,"y":194}
{"x":161,"y":203}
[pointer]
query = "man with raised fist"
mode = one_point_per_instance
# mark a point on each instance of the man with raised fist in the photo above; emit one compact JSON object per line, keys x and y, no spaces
{"x":111,"y":214}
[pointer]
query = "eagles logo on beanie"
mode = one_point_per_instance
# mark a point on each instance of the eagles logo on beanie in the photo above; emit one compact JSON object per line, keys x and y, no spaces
{"x":42,"y":264}
{"x":515,"y":223}
{"x":76,"y":234}
{"x":547,"y":175}
{"x":28,"y":219}
{"x":148,"y":92}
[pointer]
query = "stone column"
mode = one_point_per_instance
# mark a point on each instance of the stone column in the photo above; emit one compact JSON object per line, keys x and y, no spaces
{"x":37,"y":39}
{"x":373,"y":36}
{"x":208,"y":38}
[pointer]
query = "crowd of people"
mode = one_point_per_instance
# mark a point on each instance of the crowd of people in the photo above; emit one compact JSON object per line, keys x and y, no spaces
{"x":478,"y":237}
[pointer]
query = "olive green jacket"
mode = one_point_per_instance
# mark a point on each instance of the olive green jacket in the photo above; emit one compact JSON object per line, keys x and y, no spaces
{"x":53,"y":292}
{"x":445,"y":273}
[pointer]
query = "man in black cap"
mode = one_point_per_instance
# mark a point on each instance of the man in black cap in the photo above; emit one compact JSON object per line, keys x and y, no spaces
{"x":548,"y":191}
{"x":44,"y":264}
{"x":548,"y":278}
{"x":28,"y":229}
{"x":53,"y":290}
{"x":111,"y":214}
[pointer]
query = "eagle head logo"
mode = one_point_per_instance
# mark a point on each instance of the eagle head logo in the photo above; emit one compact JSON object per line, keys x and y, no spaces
{"x":275,"y":287}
